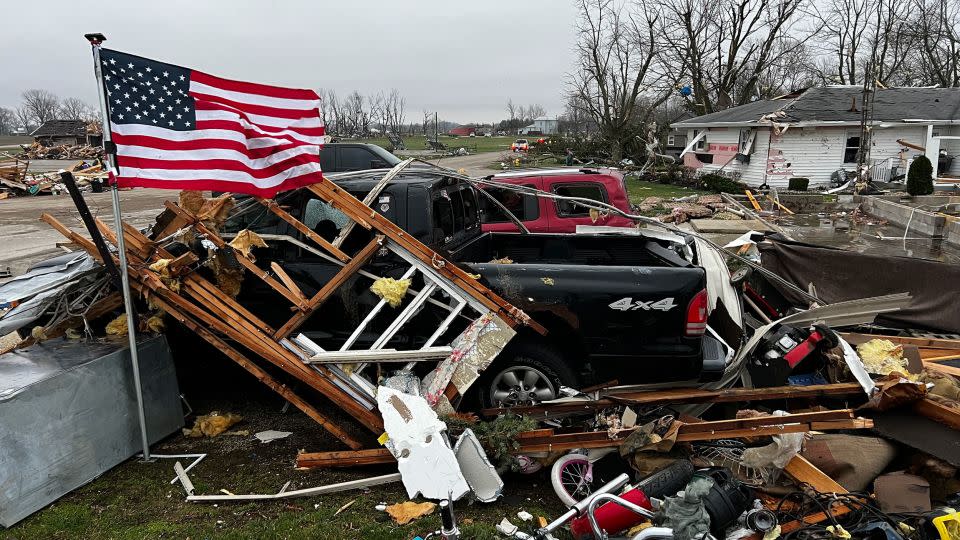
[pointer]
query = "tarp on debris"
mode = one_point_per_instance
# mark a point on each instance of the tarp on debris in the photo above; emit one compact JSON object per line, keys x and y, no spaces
{"x":840,"y":275}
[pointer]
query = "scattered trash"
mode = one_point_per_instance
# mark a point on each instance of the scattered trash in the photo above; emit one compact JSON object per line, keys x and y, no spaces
{"x":271,"y":435}
{"x":213,"y":424}
{"x":403,"y":513}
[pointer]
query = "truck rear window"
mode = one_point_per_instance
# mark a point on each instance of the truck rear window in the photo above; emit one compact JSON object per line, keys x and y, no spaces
{"x":585,"y":190}
{"x":525,"y":207}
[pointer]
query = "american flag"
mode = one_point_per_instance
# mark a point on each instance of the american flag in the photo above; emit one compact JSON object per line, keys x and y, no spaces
{"x":178,"y":128}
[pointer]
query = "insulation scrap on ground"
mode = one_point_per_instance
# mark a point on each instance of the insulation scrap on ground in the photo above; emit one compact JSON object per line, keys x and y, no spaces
{"x":882,"y":356}
{"x":245,"y":241}
{"x":213,"y":424}
{"x":403,"y":513}
{"x":391,"y":290}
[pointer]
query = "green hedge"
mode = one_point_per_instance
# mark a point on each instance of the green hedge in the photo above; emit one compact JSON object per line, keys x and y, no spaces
{"x":721,"y":184}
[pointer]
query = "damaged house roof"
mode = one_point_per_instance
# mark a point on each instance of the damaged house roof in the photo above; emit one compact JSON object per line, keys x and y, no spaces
{"x":61,"y":128}
{"x":840,"y":104}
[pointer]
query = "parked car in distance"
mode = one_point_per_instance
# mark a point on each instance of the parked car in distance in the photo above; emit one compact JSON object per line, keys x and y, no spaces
{"x":550,"y":215}
{"x":520,"y":145}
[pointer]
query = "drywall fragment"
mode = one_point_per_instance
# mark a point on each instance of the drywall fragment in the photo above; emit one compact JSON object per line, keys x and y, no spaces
{"x":476,"y":468}
{"x":271,"y":435}
{"x":507,"y":528}
{"x":426,"y":463}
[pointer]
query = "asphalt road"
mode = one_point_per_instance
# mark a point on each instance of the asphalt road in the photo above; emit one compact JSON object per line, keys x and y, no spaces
{"x":26,"y":240}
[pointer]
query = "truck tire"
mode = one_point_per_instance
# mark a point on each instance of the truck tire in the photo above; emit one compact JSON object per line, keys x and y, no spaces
{"x":525,"y":373}
{"x":667,"y":481}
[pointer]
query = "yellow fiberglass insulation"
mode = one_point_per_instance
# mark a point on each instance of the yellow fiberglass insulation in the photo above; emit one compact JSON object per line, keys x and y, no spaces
{"x":882,"y":356}
{"x":391,"y":290}
{"x":212,"y":424}
{"x":117,"y":326}
{"x":245,"y":241}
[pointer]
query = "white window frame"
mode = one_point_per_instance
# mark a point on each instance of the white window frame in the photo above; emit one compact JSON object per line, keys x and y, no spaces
{"x":847,"y":135}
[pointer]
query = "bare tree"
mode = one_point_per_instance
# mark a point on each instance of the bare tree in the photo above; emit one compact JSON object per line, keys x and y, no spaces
{"x":24,"y":117}
{"x":937,"y":31}
{"x":42,"y":105}
{"x":376,"y":111}
{"x":535,"y":111}
{"x":857,"y":35}
{"x":394,"y":108}
{"x":75,"y":109}
{"x":8,"y":121}
{"x":355,"y":117}
{"x":511,"y":110}
{"x":617,"y":66}
{"x":725,"y":46}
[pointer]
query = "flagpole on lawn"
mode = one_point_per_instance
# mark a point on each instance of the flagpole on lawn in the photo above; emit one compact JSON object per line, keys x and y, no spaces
{"x":110,"y":155}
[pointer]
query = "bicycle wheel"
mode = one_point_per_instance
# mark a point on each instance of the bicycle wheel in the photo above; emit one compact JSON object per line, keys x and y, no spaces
{"x":572,"y":478}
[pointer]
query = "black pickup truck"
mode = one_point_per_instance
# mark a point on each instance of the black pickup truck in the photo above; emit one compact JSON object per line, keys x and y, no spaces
{"x":626,"y":307}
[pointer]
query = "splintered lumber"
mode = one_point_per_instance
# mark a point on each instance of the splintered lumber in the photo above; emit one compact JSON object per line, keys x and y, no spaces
{"x":684,"y":395}
{"x":804,"y":472}
{"x":237,"y":328}
{"x":753,"y":200}
{"x":928,"y":343}
{"x":704,"y":431}
{"x":938,"y":412}
{"x":376,"y":456}
{"x":942,"y":368}
{"x":331,"y":286}
{"x":195,"y":222}
{"x":365,"y":216}
{"x":307,"y":231}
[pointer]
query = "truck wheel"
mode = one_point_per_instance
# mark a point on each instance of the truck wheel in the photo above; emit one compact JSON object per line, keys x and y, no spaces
{"x":528,"y":374}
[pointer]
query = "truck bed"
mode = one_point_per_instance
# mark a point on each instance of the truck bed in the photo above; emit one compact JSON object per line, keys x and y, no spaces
{"x":594,"y":250}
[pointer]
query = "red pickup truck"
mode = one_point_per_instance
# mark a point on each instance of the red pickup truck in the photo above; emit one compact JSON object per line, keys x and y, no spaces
{"x":556,"y":216}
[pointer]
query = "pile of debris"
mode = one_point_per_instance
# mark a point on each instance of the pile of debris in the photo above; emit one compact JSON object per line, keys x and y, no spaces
{"x":90,"y":176}
{"x":62,"y":151}
{"x":13,"y":172}
{"x":775,"y":446}
{"x":684,"y":209}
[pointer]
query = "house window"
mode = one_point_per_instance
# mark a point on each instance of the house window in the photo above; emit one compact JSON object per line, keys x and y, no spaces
{"x":745,"y":145}
{"x":702,"y":143}
{"x":671,"y":140}
{"x":852,"y":147}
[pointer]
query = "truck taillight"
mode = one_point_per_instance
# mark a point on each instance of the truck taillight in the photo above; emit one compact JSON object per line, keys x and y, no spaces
{"x":697,"y":315}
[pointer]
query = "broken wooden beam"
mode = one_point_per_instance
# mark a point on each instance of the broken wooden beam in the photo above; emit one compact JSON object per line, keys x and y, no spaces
{"x":683,"y":395}
{"x":376,"y":456}
{"x":938,"y":412}
{"x":703,"y":431}
{"x":345,"y":273}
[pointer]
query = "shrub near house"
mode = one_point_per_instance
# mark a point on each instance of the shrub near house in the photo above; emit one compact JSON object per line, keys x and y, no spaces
{"x":920,"y":177}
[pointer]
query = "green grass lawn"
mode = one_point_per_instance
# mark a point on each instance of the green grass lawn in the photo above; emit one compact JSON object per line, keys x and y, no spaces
{"x":473,"y":144}
{"x":639,"y":190}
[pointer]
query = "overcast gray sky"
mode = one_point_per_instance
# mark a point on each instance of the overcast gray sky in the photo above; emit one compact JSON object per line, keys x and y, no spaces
{"x":464,"y":59}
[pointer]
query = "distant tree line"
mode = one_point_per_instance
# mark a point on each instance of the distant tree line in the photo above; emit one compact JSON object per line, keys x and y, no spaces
{"x":38,"y":106}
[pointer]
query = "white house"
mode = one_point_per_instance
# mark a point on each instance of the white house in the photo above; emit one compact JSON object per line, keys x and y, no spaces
{"x":816,"y":132}
{"x":541,"y":126}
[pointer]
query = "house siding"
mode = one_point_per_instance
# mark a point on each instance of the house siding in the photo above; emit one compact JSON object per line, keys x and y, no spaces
{"x":812,"y":152}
